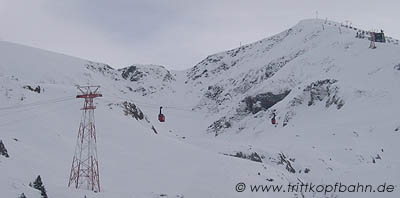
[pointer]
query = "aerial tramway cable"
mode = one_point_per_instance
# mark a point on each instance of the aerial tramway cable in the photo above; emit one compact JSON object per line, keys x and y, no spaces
{"x":156,"y":106}
{"x":34,"y":116}
{"x":39,"y":103}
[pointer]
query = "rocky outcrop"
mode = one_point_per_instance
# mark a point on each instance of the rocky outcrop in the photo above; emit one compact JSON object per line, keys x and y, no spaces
{"x":37,"y":89}
{"x":104,"y":69}
{"x":3,"y":150}
{"x":217,"y":64}
{"x":132,"y":73}
{"x":397,"y":67}
{"x":131,"y":110}
{"x":255,"y":157}
{"x":218,"y":126}
{"x":136,"y":73}
{"x":249,"y":105}
{"x":263,"y":101}
{"x":318,"y":91}
{"x":287,"y":162}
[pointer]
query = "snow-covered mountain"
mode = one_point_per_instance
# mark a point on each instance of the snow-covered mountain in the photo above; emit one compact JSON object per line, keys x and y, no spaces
{"x":336,"y":102}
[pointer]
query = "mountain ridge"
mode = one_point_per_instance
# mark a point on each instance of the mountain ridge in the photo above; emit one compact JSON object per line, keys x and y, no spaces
{"x":334,"y":98}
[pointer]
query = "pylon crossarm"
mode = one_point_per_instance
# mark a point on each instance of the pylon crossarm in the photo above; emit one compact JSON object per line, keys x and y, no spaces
{"x":90,"y":95}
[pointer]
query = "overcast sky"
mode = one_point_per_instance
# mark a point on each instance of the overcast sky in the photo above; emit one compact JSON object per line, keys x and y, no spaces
{"x":174,"y":33}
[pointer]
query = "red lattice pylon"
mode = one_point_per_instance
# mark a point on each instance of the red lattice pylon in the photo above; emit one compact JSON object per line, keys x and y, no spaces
{"x":85,"y":166}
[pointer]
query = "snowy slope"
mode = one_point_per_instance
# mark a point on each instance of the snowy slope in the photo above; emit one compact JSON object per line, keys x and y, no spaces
{"x":340,"y":116}
{"x":39,"y":131}
{"x":335,"y":100}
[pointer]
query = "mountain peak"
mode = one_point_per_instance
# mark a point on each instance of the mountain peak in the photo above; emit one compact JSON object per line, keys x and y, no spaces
{"x":311,"y":21}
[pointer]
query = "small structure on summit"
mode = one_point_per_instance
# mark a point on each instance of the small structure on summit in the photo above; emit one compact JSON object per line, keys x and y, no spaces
{"x":376,"y":37}
{"x":373,"y":37}
{"x":379,"y":37}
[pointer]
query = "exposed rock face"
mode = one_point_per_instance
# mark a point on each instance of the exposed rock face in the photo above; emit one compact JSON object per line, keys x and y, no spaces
{"x":257,"y":76}
{"x":263,"y":101}
{"x":104,"y":69}
{"x":3,"y":150}
{"x":228,"y":77}
{"x":136,"y":73}
{"x":132,"y":73}
{"x":218,"y":126}
{"x":132,"y":110}
{"x":255,"y":157}
{"x":322,"y":89}
{"x":214,"y":92}
{"x":148,"y":79}
{"x":37,"y":89}
{"x":397,"y":67}
{"x":283,"y":160}
{"x":317,"y":91}
{"x":249,"y":105}
{"x":215,"y":96}
{"x":216,"y":64}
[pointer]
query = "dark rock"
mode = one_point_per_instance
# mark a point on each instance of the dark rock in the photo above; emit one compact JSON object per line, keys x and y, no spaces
{"x":316,"y":92}
{"x":263,"y":101}
{"x":103,"y":69}
{"x":319,"y":90}
{"x":132,"y":110}
{"x":252,"y":157}
{"x":284,"y":161}
{"x":397,"y":67}
{"x":218,"y":125}
{"x":168,"y":77}
{"x":3,"y":150}
{"x":275,"y":65}
{"x":37,"y":89}
{"x":154,"y":130}
{"x":132,"y":73}
{"x":38,"y":184}
{"x":213,"y":92}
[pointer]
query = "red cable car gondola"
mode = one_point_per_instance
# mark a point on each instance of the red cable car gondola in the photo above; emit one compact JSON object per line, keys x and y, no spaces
{"x":273,"y":120}
{"x":161,"y":116}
